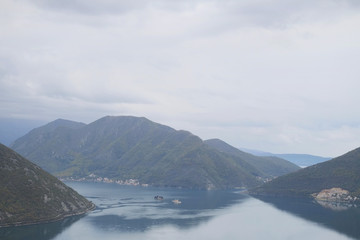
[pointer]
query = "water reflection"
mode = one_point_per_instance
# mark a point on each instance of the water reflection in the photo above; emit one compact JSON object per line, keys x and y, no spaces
{"x":38,"y":231}
{"x":122,"y":224}
{"x":138,"y":211}
{"x":336,"y":206}
{"x":342,"y":218}
{"x":132,"y":213}
{"x":124,"y":209}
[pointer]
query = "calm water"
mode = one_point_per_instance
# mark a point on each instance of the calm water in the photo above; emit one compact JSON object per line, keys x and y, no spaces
{"x":125,"y":212}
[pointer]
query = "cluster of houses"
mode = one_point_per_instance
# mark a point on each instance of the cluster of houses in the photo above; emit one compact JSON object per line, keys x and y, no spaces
{"x":93,"y":178}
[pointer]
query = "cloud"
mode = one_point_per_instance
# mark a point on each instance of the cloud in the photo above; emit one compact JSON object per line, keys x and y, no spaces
{"x":91,"y":7}
{"x":260,"y":74}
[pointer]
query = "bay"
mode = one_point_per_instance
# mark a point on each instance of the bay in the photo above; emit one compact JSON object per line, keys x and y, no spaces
{"x":131,"y":212}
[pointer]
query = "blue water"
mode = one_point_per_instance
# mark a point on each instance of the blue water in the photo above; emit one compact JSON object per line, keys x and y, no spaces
{"x":128,"y":212}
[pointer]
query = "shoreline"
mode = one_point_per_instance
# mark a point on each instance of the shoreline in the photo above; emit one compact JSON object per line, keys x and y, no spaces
{"x":55,"y":219}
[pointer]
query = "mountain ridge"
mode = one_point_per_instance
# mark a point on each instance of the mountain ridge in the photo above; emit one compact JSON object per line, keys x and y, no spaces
{"x":12,"y":128}
{"x":270,"y":166}
{"x":127,"y":147}
{"x":30,"y":195}
{"x":341,"y":173}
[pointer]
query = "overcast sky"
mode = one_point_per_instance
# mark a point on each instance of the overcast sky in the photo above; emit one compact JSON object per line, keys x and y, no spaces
{"x":274,"y":75}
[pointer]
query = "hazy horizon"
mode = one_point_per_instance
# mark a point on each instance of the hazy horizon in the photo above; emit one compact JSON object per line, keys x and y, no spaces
{"x":269,"y":75}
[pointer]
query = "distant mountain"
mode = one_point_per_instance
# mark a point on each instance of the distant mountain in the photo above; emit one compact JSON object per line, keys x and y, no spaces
{"x":268,"y":166}
{"x":30,"y":195}
{"x":12,"y":129}
{"x":341,"y":172}
{"x":302,"y":160}
{"x":124,"y":148}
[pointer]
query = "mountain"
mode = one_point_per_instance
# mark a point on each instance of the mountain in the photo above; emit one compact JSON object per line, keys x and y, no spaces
{"x":38,"y":145}
{"x":339,"y":173}
{"x":124,"y":148}
{"x":303,"y":160}
{"x":268,"y":166}
{"x":11,"y":129}
{"x":30,"y":195}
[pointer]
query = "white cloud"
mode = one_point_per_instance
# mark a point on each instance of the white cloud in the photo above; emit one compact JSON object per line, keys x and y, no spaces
{"x":267,"y":74}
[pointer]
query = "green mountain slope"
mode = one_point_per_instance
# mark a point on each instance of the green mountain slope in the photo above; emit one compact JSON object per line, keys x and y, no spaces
{"x":122,"y":148}
{"x":12,"y":128}
{"x":48,"y":142}
{"x":341,"y":172}
{"x":268,"y":166}
{"x":30,"y":195}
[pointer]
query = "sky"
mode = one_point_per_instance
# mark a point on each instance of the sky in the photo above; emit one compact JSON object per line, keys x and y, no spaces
{"x":273,"y":75}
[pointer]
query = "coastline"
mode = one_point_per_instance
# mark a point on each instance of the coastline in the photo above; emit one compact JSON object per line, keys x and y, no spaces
{"x":50,"y":220}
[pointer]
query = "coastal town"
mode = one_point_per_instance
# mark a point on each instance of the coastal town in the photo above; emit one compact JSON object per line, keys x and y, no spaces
{"x":94,"y":178}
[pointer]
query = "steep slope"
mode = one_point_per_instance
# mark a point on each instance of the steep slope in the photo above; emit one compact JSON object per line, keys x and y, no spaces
{"x":48,"y":142}
{"x":269,"y":166}
{"x":341,"y":172}
{"x":12,"y":128}
{"x":30,"y":195}
{"x":126,"y":147}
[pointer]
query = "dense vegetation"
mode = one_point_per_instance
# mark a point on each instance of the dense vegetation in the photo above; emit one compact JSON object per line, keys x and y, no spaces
{"x":267,"y":166}
{"x":30,"y":195}
{"x":342,"y":172}
{"x":127,"y":147}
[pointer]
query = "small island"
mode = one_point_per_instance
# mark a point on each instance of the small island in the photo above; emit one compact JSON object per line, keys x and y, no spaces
{"x":157,"y":197}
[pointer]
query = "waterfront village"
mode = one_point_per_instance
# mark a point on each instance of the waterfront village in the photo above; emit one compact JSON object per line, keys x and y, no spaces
{"x":93,"y":178}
